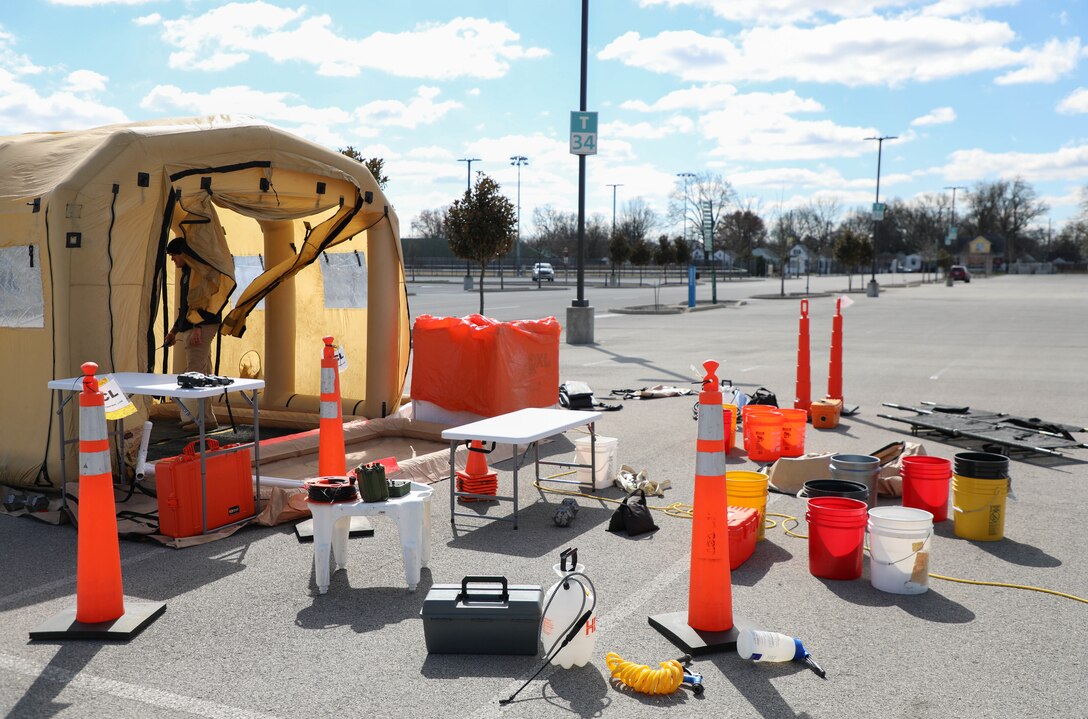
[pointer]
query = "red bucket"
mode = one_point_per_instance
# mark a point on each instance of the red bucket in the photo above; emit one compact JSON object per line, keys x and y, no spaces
{"x":926,"y":483}
{"x":836,"y":537}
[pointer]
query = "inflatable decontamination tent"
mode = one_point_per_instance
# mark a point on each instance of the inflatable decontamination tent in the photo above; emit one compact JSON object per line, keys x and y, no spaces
{"x":305,"y":240}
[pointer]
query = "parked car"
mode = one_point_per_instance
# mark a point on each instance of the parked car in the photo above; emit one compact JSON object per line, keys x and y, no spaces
{"x":543,"y":271}
{"x":959,"y":272}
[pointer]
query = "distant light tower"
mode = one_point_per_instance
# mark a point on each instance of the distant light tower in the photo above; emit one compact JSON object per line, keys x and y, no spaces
{"x":468,"y":172}
{"x":518,"y":161}
{"x":687,"y":176}
{"x":614,"y":206}
{"x":874,"y":289}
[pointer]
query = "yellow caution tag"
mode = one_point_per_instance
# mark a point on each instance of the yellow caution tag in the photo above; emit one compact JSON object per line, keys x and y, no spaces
{"x":117,"y":404}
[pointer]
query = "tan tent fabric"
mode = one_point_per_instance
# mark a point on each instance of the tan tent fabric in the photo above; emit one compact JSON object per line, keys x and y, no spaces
{"x":84,"y":220}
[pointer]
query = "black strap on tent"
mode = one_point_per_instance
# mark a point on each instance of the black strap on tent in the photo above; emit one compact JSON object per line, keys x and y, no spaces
{"x":158,"y":286}
{"x":42,"y":478}
{"x":109,"y":270}
{"x":181,"y":174}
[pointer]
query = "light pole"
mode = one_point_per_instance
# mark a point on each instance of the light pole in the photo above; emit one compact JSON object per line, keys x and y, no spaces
{"x":468,"y":188}
{"x":952,"y":216}
{"x":687,"y":176}
{"x":518,"y":161}
{"x":468,"y":172}
{"x":613,"y":235}
{"x":874,"y":289}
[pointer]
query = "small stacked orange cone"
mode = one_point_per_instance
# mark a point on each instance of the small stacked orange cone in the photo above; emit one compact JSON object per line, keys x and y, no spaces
{"x":476,"y":478}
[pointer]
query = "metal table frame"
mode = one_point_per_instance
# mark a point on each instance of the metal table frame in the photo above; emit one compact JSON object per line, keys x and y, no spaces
{"x":523,"y":427}
{"x":166,"y":385}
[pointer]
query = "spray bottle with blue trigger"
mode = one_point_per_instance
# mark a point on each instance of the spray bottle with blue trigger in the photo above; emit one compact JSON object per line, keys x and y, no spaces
{"x":760,"y":646}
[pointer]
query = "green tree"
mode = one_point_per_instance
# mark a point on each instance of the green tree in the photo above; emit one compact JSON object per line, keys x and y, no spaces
{"x":619,"y":249}
{"x":641,"y":254}
{"x":376,"y":165}
{"x":664,"y":255}
{"x":682,"y":250}
{"x":481,"y":226}
{"x":851,"y":250}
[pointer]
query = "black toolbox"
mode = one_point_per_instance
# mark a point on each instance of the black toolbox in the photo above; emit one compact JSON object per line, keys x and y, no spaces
{"x":488,"y":617}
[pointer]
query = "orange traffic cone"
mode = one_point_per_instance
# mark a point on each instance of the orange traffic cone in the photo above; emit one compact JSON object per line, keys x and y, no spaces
{"x":834,"y":370}
{"x":100,"y":606}
{"x":709,"y":624}
{"x":331,"y":458}
{"x":803,"y":397}
{"x":476,"y":478}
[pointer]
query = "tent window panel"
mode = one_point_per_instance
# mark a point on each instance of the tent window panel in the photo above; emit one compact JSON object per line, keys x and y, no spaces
{"x":246,"y":269}
{"x":343,"y":275}
{"x":22,"y":299}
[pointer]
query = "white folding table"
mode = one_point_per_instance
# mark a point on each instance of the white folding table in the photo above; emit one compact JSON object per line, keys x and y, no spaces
{"x":166,"y":385}
{"x":523,"y":427}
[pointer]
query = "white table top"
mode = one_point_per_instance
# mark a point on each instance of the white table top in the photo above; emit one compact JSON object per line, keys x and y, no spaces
{"x":160,"y":385}
{"x":523,"y":426}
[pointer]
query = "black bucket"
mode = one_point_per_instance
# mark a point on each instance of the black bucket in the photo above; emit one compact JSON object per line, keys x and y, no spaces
{"x":981,"y":465}
{"x":834,"y":488}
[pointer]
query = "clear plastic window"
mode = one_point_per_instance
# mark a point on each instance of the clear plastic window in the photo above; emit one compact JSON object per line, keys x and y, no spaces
{"x":22,"y":302}
{"x":246,"y":269}
{"x":344,"y":277}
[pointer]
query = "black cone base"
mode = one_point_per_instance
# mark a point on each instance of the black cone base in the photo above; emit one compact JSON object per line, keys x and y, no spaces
{"x":360,"y":527}
{"x":137,"y":616}
{"x":695,"y":642}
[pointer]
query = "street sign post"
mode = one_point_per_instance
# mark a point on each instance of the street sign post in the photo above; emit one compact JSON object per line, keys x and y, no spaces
{"x":878,"y":211}
{"x":583,"y":133}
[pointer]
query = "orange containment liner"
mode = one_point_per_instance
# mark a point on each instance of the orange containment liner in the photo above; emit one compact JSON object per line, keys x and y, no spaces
{"x":480,"y":365}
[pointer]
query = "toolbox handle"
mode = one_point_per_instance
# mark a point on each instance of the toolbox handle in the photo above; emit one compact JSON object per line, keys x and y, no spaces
{"x":480,"y":449}
{"x":503,"y":598}
{"x":191,"y":448}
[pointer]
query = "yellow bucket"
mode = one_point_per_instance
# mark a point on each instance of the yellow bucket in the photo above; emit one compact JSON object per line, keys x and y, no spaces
{"x":979,"y":508}
{"x":748,"y":489}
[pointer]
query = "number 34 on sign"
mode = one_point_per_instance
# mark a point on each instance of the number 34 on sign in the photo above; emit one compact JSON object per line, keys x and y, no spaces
{"x":583,"y":133}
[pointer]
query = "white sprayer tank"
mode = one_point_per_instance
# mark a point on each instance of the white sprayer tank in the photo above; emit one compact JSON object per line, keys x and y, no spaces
{"x":566,"y":601}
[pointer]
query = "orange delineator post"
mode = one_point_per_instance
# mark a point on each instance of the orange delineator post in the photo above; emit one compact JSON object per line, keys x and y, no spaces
{"x":331,"y":458}
{"x":803,"y":397}
{"x":710,"y":594}
{"x":99,"y":597}
{"x":834,"y":372}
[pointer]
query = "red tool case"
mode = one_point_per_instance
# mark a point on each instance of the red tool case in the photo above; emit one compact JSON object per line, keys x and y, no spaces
{"x":229,"y":484}
{"x":743,"y":523}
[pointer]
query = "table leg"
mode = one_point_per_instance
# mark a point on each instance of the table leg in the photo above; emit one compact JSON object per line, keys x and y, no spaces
{"x":341,"y":528}
{"x":426,"y":536}
{"x":516,"y":463}
{"x":409,"y":518}
{"x":453,"y":478}
{"x":322,"y":545}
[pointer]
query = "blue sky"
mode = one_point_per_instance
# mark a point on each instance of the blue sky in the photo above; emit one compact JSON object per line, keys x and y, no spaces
{"x":776,"y":96}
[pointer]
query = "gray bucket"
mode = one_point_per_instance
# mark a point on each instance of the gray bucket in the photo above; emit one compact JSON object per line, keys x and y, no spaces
{"x":861,"y":468}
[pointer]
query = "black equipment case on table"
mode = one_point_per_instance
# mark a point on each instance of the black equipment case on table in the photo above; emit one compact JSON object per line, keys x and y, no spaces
{"x":483,"y":619}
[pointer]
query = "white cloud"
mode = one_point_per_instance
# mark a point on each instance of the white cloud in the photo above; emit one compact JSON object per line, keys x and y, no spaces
{"x":772,"y":12}
{"x":715,"y":96}
{"x":86,"y":81}
{"x":671,"y":127}
{"x":242,"y":100}
{"x":148,"y":20}
{"x":871,"y":50}
{"x":12,"y":61}
{"x":953,"y":8}
{"x":231,"y":34}
{"x":937,"y":116}
{"x":1075,"y":102}
{"x":1045,"y":64}
{"x":1067,"y":163}
{"x":25,"y":108}
{"x":420,"y":110}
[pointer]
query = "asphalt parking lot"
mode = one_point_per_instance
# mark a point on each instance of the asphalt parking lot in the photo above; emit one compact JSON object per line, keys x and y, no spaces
{"x":246,"y":634}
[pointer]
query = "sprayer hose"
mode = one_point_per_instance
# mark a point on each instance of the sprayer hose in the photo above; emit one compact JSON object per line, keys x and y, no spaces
{"x":642,"y":678}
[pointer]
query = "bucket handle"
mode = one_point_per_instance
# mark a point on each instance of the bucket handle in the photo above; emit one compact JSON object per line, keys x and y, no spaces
{"x":961,"y":510}
{"x":897,"y":561}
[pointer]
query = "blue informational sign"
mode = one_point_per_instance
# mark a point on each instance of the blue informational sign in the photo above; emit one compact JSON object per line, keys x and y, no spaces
{"x":583,"y":133}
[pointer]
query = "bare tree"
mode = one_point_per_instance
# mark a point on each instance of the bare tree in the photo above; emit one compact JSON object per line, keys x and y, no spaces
{"x":1005,"y":208}
{"x":431,"y":223}
{"x":687,"y":207}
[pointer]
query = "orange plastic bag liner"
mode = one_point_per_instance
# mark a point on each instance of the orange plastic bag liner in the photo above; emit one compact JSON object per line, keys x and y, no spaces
{"x":480,"y":365}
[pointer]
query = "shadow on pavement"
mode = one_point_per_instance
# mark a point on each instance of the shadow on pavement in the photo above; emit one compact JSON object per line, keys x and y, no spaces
{"x":931,"y":606}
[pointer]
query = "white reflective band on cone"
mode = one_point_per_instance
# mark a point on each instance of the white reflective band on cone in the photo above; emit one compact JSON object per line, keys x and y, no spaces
{"x":710,"y":464}
{"x":92,"y":422}
{"x":328,"y":410}
{"x":328,"y":380}
{"x":94,"y":463}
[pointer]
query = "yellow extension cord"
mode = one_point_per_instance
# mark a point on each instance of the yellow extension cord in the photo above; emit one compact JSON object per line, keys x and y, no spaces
{"x":684,"y":511}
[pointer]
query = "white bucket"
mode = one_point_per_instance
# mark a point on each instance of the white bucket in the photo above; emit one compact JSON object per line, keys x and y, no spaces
{"x":900,"y":541}
{"x":607,"y":465}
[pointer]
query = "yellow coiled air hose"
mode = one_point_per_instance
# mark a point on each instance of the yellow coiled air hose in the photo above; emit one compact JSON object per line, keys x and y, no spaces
{"x":642,"y":678}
